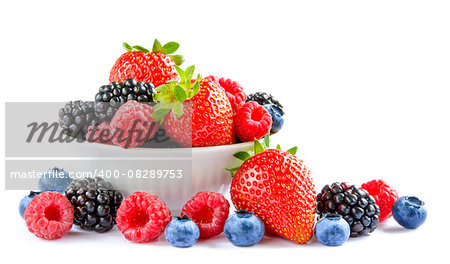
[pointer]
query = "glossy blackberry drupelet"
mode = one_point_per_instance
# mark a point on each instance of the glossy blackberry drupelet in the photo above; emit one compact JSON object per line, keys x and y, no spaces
{"x":76,"y":116}
{"x":95,"y":203}
{"x":111,"y":96}
{"x":355,"y":205}
{"x":332,"y":230}
{"x":409,"y":211}
{"x":264,"y":98}
{"x":182,"y":232}
{"x":126,"y":91}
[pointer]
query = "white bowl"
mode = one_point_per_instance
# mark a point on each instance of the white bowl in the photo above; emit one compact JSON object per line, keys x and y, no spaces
{"x":207,"y":166}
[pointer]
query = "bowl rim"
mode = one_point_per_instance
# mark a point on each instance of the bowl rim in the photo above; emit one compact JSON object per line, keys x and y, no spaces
{"x":208,"y":148}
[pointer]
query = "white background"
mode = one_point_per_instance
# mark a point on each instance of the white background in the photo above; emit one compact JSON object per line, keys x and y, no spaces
{"x":365,"y":85}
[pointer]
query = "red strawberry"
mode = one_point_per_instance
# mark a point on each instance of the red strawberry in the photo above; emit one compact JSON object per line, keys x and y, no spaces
{"x":277,"y":187}
{"x":195,"y":113}
{"x":233,"y":89}
{"x":157,"y":66}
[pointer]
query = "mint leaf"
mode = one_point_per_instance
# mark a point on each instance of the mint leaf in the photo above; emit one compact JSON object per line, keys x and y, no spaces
{"x":178,"y":59}
{"x":180,"y":93}
{"x":258,"y":147}
{"x":141,"y":49}
{"x":127,"y":47}
{"x":157,"y":46}
{"x":170,"y":47}
{"x":293,"y":150}
{"x":242,"y":155}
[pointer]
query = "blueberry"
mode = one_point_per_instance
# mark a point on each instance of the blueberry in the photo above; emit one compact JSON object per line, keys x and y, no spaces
{"x":243,"y":229}
{"x":332,"y":230}
{"x":54,"y":180}
{"x":182,"y":232}
{"x":277,"y":117}
{"x":25,"y":201}
{"x":409,"y":211}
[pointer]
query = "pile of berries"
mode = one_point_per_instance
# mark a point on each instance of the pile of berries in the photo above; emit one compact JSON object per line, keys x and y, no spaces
{"x":173,"y":103}
{"x":343,"y":210}
{"x":272,"y":190}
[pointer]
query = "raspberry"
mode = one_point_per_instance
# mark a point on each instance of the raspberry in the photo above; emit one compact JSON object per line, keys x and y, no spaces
{"x":100,"y":134}
{"x":49,"y":215}
{"x":384,"y":196}
{"x":133,"y":125}
{"x":252,"y":121}
{"x":142,"y":217}
{"x":234,"y":91}
{"x":209,"y":210}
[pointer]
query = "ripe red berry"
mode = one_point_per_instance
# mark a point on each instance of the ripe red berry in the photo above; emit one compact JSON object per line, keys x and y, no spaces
{"x":49,"y":215}
{"x":384,"y":196}
{"x":233,"y":89}
{"x":209,"y":210}
{"x":156,"y":66}
{"x":252,"y":121}
{"x":278,"y":188}
{"x":133,"y":125}
{"x":100,"y":134}
{"x":142,"y":217}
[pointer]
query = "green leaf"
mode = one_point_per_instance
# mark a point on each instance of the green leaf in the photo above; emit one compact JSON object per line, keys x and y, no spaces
{"x":163,"y":88}
{"x":258,"y":147}
{"x":127,"y":47}
{"x":242,"y":155}
{"x":293,"y":150}
{"x":170,"y":47}
{"x":157,"y":46}
{"x":181,"y":73}
{"x":196,"y":89}
{"x":189,"y":73}
{"x":141,"y":49}
{"x":278,"y":147}
{"x":177,"y":110}
{"x":178,"y":59}
{"x":158,"y":97}
{"x":232,"y":171}
{"x":160,"y":113}
{"x":266,"y":141}
{"x":180,"y":93}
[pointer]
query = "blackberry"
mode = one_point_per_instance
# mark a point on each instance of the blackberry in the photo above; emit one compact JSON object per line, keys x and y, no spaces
{"x":355,"y":205}
{"x":126,"y":91}
{"x":76,"y":116}
{"x":95,"y":203}
{"x":263,"y":99}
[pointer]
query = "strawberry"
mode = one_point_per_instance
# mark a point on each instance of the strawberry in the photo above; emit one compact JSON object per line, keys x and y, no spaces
{"x":277,"y":187}
{"x":157,"y":66}
{"x":196,"y":112}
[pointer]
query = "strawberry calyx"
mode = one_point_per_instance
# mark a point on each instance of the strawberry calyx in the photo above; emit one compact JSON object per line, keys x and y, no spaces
{"x":168,"y":48}
{"x":258,"y":148}
{"x":171,"y":96}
